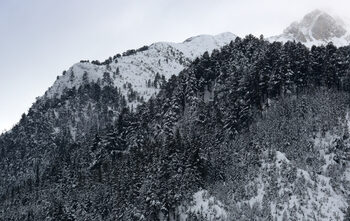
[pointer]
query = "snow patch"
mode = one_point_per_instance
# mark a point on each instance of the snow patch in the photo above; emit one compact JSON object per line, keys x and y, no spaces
{"x":205,"y":206}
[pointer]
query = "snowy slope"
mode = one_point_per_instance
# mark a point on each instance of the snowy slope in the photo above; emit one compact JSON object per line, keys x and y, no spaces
{"x":316,"y":28}
{"x":136,"y":69}
{"x":300,"y":193}
{"x":310,"y":196}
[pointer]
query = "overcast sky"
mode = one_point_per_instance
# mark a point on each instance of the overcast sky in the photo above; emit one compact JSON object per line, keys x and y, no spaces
{"x":41,"y":38}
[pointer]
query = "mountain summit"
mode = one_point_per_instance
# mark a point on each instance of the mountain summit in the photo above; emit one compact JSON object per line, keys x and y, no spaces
{"x":316,"y":28}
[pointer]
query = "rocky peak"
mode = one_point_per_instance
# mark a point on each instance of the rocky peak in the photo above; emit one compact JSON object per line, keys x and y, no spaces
{"x":316,"y":28}
{"x":316,"y":25}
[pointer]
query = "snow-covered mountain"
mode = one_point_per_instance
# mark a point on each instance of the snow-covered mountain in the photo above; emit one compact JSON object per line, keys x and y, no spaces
{"x":253,"y":132}
{"x":316,"y":28}
{"x":136,"y":70}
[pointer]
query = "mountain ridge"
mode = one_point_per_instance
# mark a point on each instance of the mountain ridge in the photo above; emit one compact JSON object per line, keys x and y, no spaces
{"x":140,"y":67}
{"x":132,"y":71}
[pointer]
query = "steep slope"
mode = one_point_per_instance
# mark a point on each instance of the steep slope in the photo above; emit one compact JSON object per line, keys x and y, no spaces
{"x":316,"y":28}
{"x":86,"y":100}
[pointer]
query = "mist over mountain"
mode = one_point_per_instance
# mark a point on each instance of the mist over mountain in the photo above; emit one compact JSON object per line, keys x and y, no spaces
{"x":316,"y":28}
{"x":213,"y":128}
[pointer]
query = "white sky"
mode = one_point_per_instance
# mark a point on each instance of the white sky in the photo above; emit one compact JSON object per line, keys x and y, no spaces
{"x":41,"y":38}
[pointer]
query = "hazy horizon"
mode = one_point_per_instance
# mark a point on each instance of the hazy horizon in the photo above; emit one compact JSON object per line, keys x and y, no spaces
{"x":41,"y":38}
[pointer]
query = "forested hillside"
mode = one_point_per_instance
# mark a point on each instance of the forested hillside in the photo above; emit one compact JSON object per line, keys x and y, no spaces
{"x":261,"y":129}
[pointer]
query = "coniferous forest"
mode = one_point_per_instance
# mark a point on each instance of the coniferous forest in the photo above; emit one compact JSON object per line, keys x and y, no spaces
{"x":255,"y":125}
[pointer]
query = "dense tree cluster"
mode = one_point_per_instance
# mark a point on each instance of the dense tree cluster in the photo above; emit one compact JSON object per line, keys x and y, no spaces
{"x":115,"y":57}
{"x":86,"y":155}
